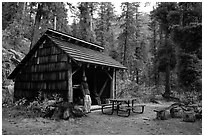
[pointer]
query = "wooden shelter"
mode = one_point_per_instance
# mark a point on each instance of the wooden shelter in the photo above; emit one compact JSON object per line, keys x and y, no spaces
{"x":57,"y":63}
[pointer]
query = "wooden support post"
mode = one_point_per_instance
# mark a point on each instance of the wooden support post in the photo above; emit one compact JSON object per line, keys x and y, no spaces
{"x":84,"y":70}
{"x":95,"y":81}
{"x":70,"y":89}
{"x":112,"y":90}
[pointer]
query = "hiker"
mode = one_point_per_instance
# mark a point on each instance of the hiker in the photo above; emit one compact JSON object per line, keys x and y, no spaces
{"x":86,"y":95}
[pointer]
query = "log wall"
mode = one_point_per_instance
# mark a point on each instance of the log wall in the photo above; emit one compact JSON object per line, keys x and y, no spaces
{"x":47,"y":70}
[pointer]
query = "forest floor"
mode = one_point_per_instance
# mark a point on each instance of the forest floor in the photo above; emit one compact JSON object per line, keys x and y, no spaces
{"x":14,"y":122}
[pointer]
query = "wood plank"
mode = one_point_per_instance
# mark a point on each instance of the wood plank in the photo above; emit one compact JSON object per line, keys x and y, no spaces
{"x":102,"y":89}
{"x":75,"y":71}
{"x":108,"y":74}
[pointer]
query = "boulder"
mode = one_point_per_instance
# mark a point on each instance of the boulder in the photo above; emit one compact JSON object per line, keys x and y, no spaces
{"x":176,"y":112}
{"x":78,"y":111}
{"x":189,"y":116}
{"x":66,"y":114}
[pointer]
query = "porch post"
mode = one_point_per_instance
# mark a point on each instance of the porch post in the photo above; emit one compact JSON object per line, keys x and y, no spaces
{"x":112,"y":91}
{"x":70,"y":89}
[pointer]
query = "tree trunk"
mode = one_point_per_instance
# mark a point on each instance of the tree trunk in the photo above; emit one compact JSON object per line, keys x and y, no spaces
{"x":154,"y":52}
{"x":37,"y":25}
{"x":137,"y":76}
{"x":167,"y":82}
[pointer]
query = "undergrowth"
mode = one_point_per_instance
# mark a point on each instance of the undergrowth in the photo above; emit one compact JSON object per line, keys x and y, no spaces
{"x":145,"y":94}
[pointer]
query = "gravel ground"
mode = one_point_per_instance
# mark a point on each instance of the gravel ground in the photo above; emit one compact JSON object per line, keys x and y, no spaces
{"x":99,"y":124}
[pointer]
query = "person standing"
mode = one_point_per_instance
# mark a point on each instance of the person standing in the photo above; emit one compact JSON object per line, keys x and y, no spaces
{"x":86,"y":95}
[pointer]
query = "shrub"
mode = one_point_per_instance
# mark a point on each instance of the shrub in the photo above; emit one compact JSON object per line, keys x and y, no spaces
{"x":126,"y":88}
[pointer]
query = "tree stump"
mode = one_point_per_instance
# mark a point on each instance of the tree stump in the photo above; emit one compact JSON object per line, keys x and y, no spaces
{"x":161,"y":114}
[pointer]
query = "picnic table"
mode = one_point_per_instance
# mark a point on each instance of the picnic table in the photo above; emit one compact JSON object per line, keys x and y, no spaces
{"x":123,"y":105}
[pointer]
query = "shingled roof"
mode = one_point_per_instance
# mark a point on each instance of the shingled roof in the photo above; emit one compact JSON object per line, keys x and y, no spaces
{"x":87,"y":53}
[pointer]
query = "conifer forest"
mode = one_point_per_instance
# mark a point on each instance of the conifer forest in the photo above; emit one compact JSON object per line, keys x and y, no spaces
{"x":161,"y":49}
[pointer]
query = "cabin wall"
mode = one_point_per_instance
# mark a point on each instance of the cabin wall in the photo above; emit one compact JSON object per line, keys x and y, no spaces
{"x":47,"y":71}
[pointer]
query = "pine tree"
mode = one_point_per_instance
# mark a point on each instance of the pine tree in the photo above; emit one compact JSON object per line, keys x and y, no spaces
{"x":9,"y":10}
{"x":166,"y":52}
{"x":154,"y":27}
{"x":45,"y":18}
{"x":86,"y":30}
{"x":128,"y":29}
{"x":130,"y":39}
{"x":187,"y":34}
{"x":104,"y":32}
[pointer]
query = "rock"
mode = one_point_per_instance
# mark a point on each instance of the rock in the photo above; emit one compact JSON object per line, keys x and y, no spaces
{"x":198,"y":116}
{"x":58,"y":114}
{"x":11,"y":89}
{"x":189,"y":116}
{"x":48,"y":113}
{"x":66,"y":114}
{"x":176,"y":112}
{"x":71,"y":119}
{"x":144,"y":118}
{"x":162,"y":115}
{"x":155,"y":101}
{"x":78,"y":112}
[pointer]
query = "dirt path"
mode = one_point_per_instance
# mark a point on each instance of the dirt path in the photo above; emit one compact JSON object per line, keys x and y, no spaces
{"x":100,"y":124}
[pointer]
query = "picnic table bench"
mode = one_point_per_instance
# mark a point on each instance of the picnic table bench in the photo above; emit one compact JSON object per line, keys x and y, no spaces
{"x":122,"y":105}
{"x":104,"y":105}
